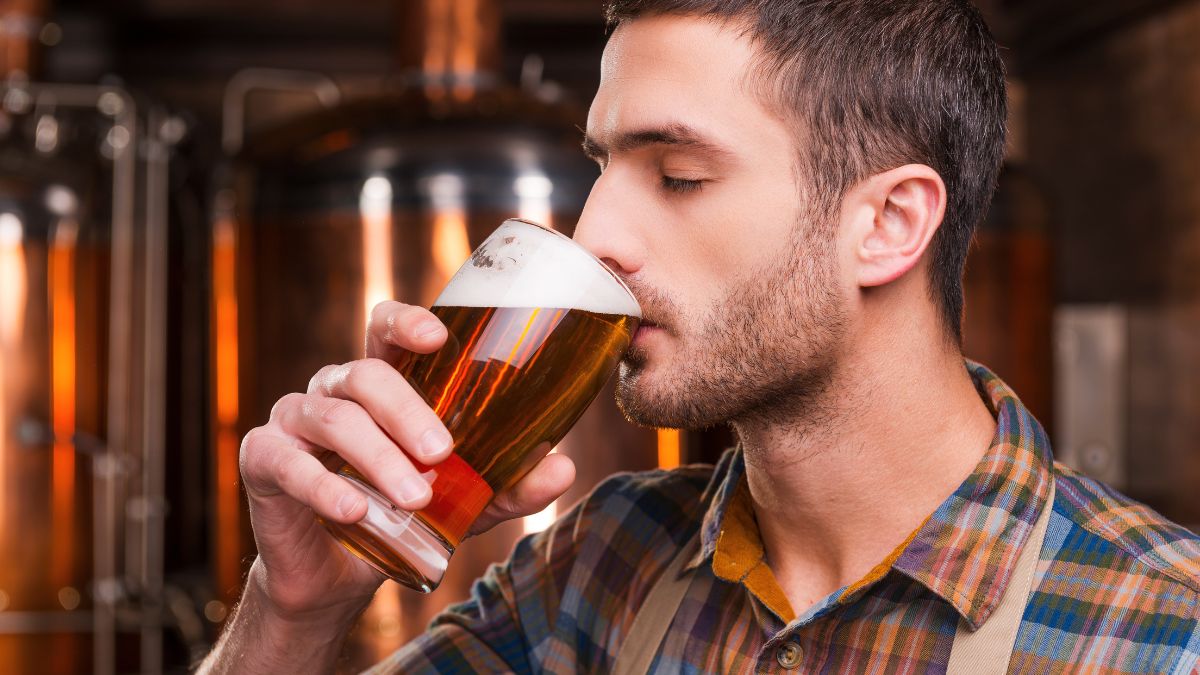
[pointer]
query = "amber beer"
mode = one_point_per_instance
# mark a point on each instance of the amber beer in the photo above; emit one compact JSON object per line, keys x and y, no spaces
{"x":536,"y":327}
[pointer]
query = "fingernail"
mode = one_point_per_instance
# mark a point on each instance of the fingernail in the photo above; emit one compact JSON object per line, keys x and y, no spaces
{"x":412,"y":489}
{"x":346,"y":505}
{"x":428,"y":329}
{"x":434,"y":442}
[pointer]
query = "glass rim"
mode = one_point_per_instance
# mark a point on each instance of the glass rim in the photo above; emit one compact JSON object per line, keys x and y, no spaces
{"x":580,"y":247}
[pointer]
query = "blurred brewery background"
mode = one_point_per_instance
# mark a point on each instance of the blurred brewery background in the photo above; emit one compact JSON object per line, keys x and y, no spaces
{"x":200,"y":199}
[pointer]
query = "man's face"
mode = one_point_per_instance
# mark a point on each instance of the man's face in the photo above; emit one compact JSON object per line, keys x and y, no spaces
{"x":699,"y":208}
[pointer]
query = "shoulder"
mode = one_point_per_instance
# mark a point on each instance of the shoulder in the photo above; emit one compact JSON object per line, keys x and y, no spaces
{"x":1119,"y":585}
{"x":573,"y":583}
{"x":625,"y":519}
{"x":1140,"y":538}
{"x":635,"y":504}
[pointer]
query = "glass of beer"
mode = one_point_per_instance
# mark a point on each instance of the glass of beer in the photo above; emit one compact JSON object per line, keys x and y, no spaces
{"x":537,"y":325}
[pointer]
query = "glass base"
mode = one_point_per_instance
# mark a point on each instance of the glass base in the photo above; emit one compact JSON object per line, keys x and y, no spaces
{"x":395,"y":542}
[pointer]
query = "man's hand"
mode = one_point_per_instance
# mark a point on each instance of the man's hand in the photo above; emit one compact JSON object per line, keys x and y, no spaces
{"x":365,"y":413}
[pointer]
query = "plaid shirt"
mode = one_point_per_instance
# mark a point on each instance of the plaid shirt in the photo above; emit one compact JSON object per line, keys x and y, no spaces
{"x":1116,"y":588}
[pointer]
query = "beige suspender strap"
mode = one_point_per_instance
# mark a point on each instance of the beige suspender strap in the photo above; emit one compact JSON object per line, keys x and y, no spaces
{"x":654,"y":617}
{"x":988,"y":650}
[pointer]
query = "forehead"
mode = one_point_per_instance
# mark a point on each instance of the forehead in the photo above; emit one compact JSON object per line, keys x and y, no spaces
{"x":677,"y":69}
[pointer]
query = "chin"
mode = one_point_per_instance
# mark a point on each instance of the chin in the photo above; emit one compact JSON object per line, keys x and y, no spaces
{"x":632,"y":396}
{"x":646,"y":400}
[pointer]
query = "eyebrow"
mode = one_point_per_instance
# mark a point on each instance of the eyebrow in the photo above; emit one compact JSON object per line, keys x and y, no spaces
{"x":678,"y":135}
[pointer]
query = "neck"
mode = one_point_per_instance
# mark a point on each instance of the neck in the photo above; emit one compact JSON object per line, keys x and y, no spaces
{"x":839,"y":487}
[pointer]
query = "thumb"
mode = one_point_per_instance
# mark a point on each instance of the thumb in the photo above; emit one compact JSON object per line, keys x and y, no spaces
{"x":547,"y":481}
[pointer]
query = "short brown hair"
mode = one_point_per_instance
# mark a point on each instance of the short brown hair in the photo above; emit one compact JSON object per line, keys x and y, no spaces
{"x":876,"y":84}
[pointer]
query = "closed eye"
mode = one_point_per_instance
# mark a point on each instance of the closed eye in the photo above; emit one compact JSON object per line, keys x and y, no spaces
{"x":680,"y":185}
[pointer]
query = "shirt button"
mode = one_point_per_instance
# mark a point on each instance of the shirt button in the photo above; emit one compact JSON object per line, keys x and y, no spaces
{"x":789,"y":655}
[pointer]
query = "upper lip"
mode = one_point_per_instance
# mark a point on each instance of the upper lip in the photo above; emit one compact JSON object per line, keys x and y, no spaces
{"x":647,"y":323}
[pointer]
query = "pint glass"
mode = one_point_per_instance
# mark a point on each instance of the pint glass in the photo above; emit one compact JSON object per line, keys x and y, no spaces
{"x":536,"y":327}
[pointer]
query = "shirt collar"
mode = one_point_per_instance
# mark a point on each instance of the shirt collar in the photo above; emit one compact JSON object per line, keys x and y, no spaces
{"x":966,"y":550}
{"x":731,"y":469}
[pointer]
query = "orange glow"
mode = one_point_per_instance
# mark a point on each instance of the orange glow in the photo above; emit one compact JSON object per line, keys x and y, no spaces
{"x":466,"y":47}
{"x":225,"y":357}
{"x":375,"y":206}
{"x":12,"y":322}
{"x":335,"y":141}
{"x":437,"y":45}
{"x":450,"y":245}
{"x":62,"y":397}
{"x":669,"y":448}
{"x":225,"y":297}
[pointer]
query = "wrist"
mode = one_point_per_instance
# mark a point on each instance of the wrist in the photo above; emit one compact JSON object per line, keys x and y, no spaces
{"x":263,"y":637}
{"x":335,"y":617}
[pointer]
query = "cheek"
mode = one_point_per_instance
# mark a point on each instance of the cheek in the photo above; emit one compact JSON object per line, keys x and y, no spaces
{"x":740,"y":240}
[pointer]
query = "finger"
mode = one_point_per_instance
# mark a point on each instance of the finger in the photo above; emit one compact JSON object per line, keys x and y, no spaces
{"x":549,"y":479}
{"x":273,"y":465}
{"x":316,"y":384}
{"x":346,"y":429}
{"x":396,"y":328}
{"x":393,"y":404}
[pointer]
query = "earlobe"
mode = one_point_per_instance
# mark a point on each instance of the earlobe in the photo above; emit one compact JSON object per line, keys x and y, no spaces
{"x":906,"y":208}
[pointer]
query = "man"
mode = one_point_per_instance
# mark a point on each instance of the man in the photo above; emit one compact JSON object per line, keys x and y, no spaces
{"x":789,"y":188}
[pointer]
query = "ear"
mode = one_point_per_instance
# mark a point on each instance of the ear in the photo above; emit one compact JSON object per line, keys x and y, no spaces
{"x":895,"y":216}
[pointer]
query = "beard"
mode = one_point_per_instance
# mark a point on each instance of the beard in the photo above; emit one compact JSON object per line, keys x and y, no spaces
{"x":764,"y":353}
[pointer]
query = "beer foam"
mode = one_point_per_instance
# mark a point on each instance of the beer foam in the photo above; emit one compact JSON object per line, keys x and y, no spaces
{"x":523,"y":265}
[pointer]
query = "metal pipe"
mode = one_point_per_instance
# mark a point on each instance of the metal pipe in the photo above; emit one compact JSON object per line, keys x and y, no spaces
{"x":24,"y":623}
{"x":121,"y":107}
{"x":243,"y":82}
{"x":149,"y":517}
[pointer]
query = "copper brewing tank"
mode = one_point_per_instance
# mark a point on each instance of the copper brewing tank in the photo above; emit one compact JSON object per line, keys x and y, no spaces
{"x":82,"y":369}
{"x":383,"y":198}
{"x":53,"y":332}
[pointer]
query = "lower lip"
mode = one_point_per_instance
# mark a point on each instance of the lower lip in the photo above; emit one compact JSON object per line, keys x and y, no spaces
{"x":645,"y":330}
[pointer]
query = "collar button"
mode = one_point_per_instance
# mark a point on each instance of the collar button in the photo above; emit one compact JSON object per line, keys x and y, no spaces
{"x":789,"y":655}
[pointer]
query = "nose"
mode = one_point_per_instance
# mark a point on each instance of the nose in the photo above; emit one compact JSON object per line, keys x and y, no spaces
{"x":608,"y":227}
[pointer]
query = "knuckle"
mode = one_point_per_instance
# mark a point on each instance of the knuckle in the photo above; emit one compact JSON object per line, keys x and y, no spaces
{"x":381,"y":311}
{"x":411,"y":409}
{"x":338,"y":412}
{"x":250,"y":450}
{"x":382,"y":316}
{"x":319,"y":380}
{"x":252,"y":441}
{"x":401,"y":322}
{"x":258,"y":456}
{"x":363,"y":376}
{"x":287,"y":405}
